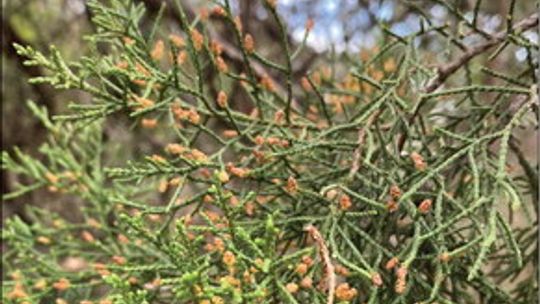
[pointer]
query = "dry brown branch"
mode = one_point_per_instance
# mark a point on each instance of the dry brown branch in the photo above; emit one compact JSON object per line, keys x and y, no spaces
{"x":446,"y":70}
{"x":324,"y":254}
{"x":357,"y":156}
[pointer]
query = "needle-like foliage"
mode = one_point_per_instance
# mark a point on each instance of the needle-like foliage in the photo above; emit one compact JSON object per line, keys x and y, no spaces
{"x":380,"y":178}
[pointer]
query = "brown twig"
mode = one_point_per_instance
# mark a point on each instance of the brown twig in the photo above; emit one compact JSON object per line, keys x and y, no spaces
{"x":324,"y":254}
{"x":446,"y":70}
{"x":357,"y":156}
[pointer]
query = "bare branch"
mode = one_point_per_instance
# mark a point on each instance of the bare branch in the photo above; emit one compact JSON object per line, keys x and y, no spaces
{"x":357,"y":156}
{"x":325,"y":257}
{"x":446,"y":70}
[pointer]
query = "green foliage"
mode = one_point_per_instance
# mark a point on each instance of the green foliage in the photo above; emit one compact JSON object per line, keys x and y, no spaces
{"x":328,"y":179}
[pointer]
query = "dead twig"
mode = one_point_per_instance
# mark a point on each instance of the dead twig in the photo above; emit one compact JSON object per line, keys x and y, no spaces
{"x":357,"y":156}
{"x":324,"y":254}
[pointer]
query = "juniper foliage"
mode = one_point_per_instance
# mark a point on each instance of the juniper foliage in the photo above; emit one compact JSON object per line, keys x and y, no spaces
{"x":351,"y":184}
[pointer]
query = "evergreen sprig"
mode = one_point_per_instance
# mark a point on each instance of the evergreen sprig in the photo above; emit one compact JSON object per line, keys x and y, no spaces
{"x":349,"y":185}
